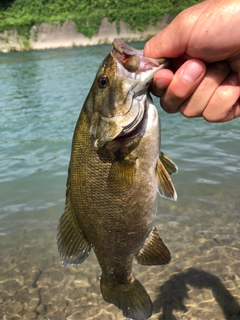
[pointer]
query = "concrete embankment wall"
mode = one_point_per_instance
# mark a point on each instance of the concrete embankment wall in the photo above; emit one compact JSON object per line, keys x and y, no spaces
{"x":49,"y":36}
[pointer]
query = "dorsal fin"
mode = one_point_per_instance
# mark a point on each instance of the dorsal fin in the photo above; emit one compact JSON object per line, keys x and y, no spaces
{"x":169,"y":165}
{"x":165,"y":185}
{"x":73,"y":247}
{"x":154,"y":251}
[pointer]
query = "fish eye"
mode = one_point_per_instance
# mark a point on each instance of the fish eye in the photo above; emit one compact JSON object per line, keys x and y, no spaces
{"x":102,"y":81}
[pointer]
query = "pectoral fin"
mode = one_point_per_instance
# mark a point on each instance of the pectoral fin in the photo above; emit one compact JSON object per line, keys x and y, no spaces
{"x":165,"y":185}
{"x":121,"y":175}
{"x":154,"y":251}
{"x":169,"y":165}
{"x":73,"y":247}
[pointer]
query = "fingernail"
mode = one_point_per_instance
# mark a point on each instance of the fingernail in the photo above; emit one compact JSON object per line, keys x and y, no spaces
{"x":192,"y":72}
{"x":233,"y":79}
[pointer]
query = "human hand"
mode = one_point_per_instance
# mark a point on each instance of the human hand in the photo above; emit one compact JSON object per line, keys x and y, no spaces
{"x":204,"y":44}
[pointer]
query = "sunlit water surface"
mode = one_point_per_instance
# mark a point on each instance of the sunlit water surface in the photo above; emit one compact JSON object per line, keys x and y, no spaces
{"x":41,"y":95}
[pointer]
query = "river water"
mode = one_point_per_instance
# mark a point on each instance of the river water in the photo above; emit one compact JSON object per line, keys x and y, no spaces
{"x":41,"y":94}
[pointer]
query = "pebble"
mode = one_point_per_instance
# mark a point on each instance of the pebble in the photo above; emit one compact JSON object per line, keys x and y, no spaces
{"x":11,"y":286}
{"x":202,"y":272}
{"x":230,"y":285}
{"x":30,"y":315}
{"x":76,"y":316}
{"x":44,"y":279}
{"x":14,"y":307}
{"x":61,"y":316}
{"x":82,"y":283}
{"x":207,"y":295}
{"x":103,"y":316}
{"x":173,"y":224}
{"x":45,"y":297}
{"x":41,"y":309}
{"x":34,"y":303}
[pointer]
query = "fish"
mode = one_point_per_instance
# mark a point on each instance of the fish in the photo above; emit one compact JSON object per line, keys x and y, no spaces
{"x":115,"y":172}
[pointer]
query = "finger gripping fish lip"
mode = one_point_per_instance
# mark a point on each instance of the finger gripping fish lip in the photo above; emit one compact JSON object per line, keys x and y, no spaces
{"x":133,"y":60}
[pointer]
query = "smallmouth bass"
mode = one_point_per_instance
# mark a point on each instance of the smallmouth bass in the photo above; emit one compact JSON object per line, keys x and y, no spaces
{"x":115,"y":171}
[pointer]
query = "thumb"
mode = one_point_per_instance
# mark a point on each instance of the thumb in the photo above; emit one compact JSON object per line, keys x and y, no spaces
{"x":171,"y":42}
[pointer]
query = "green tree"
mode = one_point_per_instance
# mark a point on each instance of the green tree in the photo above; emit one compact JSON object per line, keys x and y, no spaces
{"x":21,"y":15}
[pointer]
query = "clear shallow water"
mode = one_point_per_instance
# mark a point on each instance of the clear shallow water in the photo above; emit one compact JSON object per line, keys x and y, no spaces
{"x":41,"y":94}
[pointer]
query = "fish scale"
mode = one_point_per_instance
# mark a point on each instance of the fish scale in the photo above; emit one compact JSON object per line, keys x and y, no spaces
{"x":115,"y":172}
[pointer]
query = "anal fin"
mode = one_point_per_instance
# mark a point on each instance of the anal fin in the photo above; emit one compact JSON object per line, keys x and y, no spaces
{"x":154,"y":251}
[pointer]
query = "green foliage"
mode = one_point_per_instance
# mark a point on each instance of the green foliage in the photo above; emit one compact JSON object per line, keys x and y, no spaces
{"x":25,"y":45}
{"x":21,"y":15}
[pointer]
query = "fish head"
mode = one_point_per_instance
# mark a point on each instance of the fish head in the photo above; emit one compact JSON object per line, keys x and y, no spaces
{"x":119,"y":92}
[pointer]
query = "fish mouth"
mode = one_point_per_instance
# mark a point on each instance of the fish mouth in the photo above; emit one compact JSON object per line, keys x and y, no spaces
{"x":141,"y":69}
{"x":133,"y":60}
{"x":136,"y":73}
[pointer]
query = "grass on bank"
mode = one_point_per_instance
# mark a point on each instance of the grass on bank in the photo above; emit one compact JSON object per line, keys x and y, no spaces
{"x":22,"y":15}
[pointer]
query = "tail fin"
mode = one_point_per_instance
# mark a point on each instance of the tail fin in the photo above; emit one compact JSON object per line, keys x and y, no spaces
{"x":130,"y":297}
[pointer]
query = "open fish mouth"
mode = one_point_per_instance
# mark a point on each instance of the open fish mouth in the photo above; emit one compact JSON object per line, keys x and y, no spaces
{"x":133,"y":60}
{"x":133,"y":75}
{"x":140,"y":69}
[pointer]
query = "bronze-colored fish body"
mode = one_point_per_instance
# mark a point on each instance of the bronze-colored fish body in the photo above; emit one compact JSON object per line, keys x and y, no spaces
{"x":114,"y":175}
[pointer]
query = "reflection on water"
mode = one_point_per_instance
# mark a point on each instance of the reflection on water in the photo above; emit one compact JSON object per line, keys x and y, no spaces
{"x":41,"y":96}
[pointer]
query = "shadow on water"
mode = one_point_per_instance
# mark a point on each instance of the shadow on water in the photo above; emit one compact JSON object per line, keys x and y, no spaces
{"x":174,"y":291}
